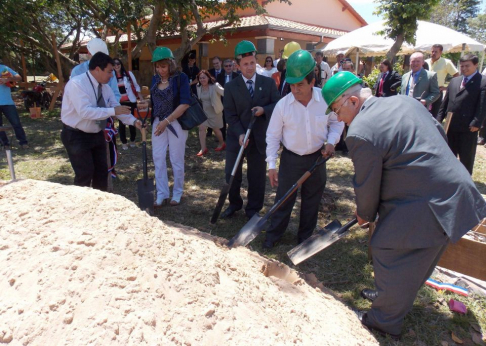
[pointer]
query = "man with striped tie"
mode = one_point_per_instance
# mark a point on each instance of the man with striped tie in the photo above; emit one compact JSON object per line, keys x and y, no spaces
{"x":466,"y":99}
{"x":244,"y":94}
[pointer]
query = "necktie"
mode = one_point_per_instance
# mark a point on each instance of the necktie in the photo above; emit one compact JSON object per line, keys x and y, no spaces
{"x":250,"y":87}
{"x":380,"y":88}
{"x":464,"y":81}
{"x":227,"y":78}
{"x":100,"y":102}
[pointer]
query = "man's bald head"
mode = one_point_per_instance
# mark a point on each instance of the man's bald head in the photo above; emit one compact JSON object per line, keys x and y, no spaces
{"x":416,"y":61}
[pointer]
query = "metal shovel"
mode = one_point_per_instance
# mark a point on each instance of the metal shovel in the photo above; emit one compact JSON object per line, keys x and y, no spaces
{"x":257,"y":223}
{"x":225,"y":189}
{"x":318,"y":242}
{"x":145,"y":186}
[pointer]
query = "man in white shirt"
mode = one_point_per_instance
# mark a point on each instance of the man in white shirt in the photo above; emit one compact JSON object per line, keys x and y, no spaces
{"x":87,"y":102}
{"x":442,"y":67}
{"x":337,"y":67}
{"x":325,"y":69}
{"x":300,"y":123}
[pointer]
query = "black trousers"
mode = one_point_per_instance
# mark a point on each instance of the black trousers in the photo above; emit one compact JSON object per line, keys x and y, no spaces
{"x":122,"y":126}
{"x":435,"y":106}
{"x":256,"y":175}
{"x":87,"y":154}
{"x":292,"y":167}
{"x":463,"y":145}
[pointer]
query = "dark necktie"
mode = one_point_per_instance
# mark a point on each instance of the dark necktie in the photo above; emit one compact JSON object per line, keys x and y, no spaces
{"x":100,"y":102}
{"x":464,"y":81}
{"x":250,"y":87}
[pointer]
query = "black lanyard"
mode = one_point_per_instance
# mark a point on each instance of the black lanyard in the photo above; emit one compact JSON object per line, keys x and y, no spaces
{"x":89,"y":78}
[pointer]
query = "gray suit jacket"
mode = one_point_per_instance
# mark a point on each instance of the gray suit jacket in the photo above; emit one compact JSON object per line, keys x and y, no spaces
{"x":237,"y":110}
{"x":426,"y":88}
{"x":405,"y":172}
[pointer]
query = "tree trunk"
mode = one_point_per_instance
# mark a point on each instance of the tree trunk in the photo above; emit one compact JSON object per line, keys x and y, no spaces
{"x":150,"y":39}
{"x":395,"y":48}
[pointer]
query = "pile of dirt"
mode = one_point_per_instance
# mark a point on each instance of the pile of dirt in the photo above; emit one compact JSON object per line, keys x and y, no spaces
{"x":79,"y":266}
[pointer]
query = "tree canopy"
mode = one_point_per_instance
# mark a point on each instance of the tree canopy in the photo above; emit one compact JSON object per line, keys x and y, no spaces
{"x":33,"y":21}
{"x":401,"y":20}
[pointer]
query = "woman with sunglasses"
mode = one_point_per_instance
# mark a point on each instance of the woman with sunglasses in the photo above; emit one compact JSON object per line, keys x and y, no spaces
{"x":210,"y":93}
{"x":269,"y":69}
{"x":130,"y":91}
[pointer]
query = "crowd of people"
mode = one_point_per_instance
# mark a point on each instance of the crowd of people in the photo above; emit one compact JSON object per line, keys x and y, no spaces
{"x":405,"y":162}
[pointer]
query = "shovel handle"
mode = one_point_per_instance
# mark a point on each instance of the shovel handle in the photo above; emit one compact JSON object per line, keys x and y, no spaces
{"x":144,"y":134}
{"x":242,"y":148}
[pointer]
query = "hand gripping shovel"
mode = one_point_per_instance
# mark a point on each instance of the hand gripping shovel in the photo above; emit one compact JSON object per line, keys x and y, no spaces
{"x":225,"y":189}
{"x":257,"y":223}
{"x":318,"y":242}
{"x":145,"y":186}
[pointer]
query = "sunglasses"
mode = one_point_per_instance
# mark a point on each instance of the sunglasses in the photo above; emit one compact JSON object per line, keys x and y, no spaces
{"x":117,"y":64}
{"x":228,"y":65}
{"x":268,"y":60}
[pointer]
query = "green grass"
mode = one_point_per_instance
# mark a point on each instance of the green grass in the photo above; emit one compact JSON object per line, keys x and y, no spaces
{"x":343,"y":267}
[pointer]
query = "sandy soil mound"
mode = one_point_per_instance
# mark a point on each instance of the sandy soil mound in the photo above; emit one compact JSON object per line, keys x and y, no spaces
{"x":79,"y":267}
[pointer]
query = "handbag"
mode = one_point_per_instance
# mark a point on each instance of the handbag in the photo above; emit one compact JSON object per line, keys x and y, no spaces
{"x":194,"y":115}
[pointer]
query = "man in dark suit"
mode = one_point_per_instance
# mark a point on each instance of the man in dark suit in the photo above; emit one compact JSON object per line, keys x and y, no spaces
{"x":388,"y":80}
{"x":419,"y":83}
{"x":216,"y":70}
{"x":228,"y":74}
{"x":244,"y":94}
{"x":225,"y":77}
{"x":466,"y":99}
{"x":404,"y":173}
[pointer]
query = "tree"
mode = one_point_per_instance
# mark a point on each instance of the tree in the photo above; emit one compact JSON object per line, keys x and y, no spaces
{"x":477,"y":27}
{"x":401,"y":20}
{"x":455,"y":14}
{"x":33,"y":21}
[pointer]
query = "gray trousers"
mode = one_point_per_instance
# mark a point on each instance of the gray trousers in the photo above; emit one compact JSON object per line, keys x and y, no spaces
{"x":399,"y":274}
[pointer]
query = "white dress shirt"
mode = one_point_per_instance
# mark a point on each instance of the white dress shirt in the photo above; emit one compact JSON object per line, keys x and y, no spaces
{"x":252,"y":78}
{"x":79,"y":109}
{"x":302,"y":130}
{"x":325,"y":72}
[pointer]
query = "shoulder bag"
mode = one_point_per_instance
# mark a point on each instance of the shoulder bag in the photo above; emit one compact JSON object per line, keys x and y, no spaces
{"x":194,"y":115}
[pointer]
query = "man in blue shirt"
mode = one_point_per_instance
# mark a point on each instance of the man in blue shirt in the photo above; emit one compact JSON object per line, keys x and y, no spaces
{"x":94,"y":46}
{"x":7,"y":108}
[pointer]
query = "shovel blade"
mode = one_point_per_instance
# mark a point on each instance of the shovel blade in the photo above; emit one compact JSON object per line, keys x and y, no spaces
{"x":219,"y":205}
{"x":146,"y":195}
{"x":249,"y":232}
{"x":316,"y":243}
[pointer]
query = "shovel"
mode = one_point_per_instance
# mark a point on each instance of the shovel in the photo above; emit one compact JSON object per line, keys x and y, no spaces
{"x":225,"y":189}
{"x":318,"y":242}
{"x":257,"y":223}
{"x":145,"y":186}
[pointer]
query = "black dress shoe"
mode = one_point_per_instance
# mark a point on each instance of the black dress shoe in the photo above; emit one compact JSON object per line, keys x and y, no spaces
{"x":369,"y":294}
{"x":363,"y":317}
{"x":229,"y":212}
{"x":249,"y":215}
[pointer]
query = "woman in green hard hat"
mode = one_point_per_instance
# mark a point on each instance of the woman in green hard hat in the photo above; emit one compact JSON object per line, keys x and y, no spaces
{"x":170,"y":97}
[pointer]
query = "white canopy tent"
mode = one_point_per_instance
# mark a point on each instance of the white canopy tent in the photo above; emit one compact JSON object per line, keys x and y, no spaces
{"x":366,"y":42}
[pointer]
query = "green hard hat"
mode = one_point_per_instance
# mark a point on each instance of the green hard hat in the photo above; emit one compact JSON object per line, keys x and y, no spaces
{"x":337,"y":85}
{"x":161,"y":53}
{"x":299,"y":65}
{"x":243,"y":48}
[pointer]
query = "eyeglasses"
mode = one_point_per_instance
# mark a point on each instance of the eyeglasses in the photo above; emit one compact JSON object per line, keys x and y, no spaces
{"x":117,"y":64}
{"x":342,"y":104}
{"x":268,"y":60}
{"x":228,"y":65}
